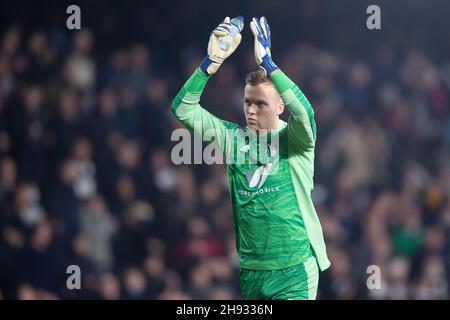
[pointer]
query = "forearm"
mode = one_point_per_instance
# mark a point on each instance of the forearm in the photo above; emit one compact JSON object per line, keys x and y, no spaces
{"x":296,"y":103}
{"x":186,"y":107}
{"x":189,"y":95}
{"x":302,"y":120}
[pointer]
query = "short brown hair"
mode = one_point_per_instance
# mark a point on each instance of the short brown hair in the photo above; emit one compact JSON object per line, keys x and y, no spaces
{"x":256,"y":77}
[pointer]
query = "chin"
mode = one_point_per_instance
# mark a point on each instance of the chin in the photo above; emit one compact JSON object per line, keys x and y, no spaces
{"x":252,"y":126}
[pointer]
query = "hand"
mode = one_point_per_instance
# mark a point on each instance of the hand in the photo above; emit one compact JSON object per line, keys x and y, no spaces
{"x":216,"y":55}
{"x":263,"y":56}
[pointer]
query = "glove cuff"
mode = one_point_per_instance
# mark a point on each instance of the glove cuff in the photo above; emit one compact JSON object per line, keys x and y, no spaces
{"x":267,"y":65}
{"x":208,"y":66}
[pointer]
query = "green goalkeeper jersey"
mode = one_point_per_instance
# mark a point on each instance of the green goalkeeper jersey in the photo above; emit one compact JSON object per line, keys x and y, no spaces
{"x":276,"y":225}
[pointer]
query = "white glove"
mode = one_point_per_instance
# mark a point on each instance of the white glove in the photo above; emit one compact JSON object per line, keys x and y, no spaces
{"x":217,"y":55}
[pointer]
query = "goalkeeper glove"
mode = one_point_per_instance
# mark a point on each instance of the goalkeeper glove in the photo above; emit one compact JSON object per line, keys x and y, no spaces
{"x":216,"y":55}
{"x":263,"y":56}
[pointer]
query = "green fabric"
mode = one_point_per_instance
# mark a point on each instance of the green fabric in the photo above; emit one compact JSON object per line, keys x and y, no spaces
{"x":276,"y":224}
{"x":187,"y":109}
{"x":195,"y":84}
{"x":271,"y":233}
{"x":407,"y":242}
{"x":281,"y":81}
{"x":296,"y":106}
{"x":299,"y":282}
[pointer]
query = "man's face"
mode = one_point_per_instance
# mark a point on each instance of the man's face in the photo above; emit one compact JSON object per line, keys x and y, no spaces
{"x":262,"y":106}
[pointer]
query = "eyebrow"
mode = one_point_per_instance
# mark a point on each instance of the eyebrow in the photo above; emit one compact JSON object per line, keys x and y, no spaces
{"x":256,"y":101}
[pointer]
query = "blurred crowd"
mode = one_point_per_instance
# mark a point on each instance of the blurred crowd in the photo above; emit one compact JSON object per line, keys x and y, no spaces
{"x":86,"y":176}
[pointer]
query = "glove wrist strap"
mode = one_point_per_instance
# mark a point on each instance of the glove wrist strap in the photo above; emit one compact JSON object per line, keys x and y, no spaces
{"x":268,"y":65}
{"x":208,"y":66}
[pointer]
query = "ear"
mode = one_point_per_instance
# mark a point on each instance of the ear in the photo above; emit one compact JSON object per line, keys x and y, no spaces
{"x":280,"y":108}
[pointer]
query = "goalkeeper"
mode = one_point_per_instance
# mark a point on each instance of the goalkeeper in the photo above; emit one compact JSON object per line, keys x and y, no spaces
{"x":279,"y":238}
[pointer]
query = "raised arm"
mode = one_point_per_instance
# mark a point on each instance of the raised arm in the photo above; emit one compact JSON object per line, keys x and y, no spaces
{"x":301,"y":128}
{"x":186,"y":106}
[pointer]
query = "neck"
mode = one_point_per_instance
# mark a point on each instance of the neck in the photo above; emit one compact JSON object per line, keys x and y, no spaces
{"x":276,"y":123}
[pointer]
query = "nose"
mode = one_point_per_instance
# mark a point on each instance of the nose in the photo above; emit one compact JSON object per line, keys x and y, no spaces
{"x":251,"y":109}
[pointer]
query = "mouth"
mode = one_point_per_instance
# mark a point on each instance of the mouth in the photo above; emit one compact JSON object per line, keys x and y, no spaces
{"x":251,"y":120}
